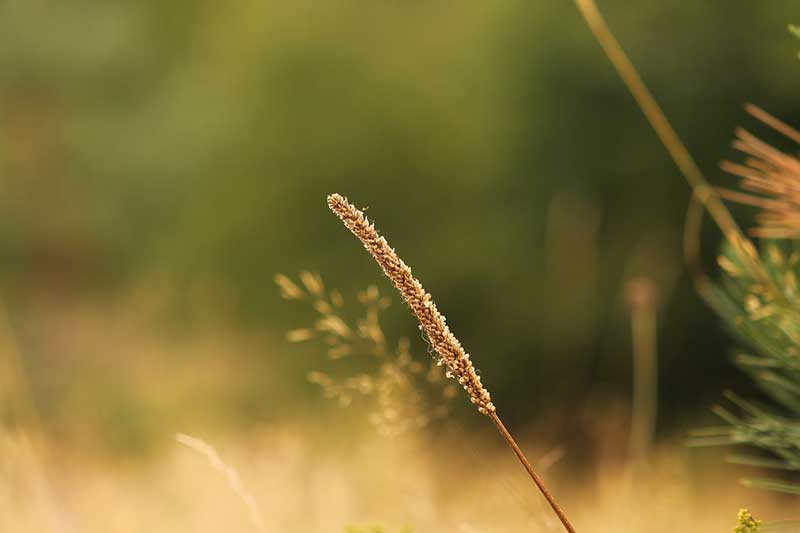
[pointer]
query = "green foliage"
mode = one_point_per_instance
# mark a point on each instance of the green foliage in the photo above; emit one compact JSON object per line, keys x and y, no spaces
{"x":758,"y":299}
{"x":760,"y":306}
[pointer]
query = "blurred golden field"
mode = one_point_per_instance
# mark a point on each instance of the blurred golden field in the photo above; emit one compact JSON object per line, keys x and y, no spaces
{"x":300,"y":485}
{"x":114,"y":465}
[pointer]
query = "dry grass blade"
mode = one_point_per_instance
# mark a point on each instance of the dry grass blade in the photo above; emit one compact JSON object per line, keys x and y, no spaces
{"x":230,"y":473}
{"x":770,"y":180}
{"x":773,"y":122}
{"x":432,"y":323}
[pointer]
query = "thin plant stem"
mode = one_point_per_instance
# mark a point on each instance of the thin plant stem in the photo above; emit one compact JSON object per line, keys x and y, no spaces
{"x":703,"y":191}
{"x":691,"y":248}
{"x":230,"y":473}
{"x":433,"y":324}
{"x":534,"y":476}
{"x":643,"y":302}
{"x":655,"y":116}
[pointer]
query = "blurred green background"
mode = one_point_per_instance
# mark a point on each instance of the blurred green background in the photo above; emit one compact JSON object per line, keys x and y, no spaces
{"x":187,"y":147}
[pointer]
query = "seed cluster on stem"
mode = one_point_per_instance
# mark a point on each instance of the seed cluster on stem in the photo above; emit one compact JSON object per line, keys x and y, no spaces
{"x":432,"y":322}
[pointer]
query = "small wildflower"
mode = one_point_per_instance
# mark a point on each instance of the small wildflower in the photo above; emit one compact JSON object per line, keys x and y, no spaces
{"x":746,"y":522}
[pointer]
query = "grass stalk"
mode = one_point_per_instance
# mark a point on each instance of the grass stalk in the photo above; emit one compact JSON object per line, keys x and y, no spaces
{"x":702,"y":190}
{"x":658,"y":120}
{"x":642,"y":296}
{"x":433,"y":324}
{"x":230,"y":473}
{"x":531,"y":472}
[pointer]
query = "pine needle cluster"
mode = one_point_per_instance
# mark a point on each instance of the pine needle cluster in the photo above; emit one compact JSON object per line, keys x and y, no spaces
{"x":757,"y":297}
{"x":757,"y":294}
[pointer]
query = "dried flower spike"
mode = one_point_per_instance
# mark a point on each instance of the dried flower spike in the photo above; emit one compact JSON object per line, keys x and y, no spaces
{"x":433,"y":323}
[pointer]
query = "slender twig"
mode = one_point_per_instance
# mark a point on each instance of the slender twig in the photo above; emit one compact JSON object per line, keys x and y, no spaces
{"x":691,"y":249}
{"x":432,"y":323}
{"x":701,"y":188}
{"x":655,"y":116}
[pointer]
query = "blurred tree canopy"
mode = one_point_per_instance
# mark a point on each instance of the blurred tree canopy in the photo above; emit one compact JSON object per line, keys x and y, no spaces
{"x":491,"y":141}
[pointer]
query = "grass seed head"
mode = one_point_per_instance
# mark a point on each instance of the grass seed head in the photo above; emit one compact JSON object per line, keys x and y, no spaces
{"x":432,"y":322}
